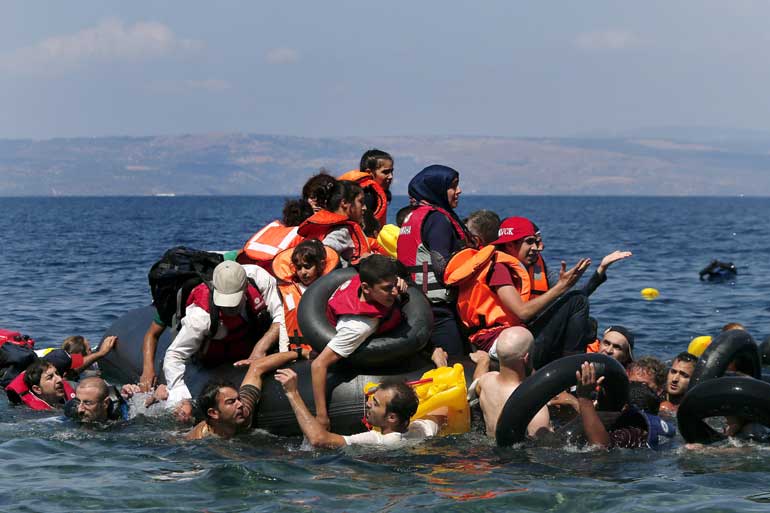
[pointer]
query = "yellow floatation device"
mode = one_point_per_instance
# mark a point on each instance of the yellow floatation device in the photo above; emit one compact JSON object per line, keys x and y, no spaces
{"x":388,"y":238}
{"x":438,"y":388}
{"x":650,"y":293}
{"x":698,"y":345}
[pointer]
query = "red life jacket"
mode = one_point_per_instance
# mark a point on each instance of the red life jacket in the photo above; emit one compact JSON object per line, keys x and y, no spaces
{"x":18,"y":393}
{"x":262,"y":247}
{"x":346,"y":301}
{"x":14,"y":337}
{"x":412,"y":252}
{"x":322,"y":222}
{"x":241,"y":331}
{"x":366,"y":181}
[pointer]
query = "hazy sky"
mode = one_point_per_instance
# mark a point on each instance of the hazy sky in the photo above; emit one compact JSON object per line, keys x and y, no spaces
{"x":333,"y":68}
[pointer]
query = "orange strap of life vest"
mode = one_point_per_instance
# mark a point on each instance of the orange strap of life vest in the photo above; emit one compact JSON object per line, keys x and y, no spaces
{"x":478,"y":305}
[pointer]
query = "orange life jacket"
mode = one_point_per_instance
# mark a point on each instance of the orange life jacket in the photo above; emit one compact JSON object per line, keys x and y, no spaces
{"x":538,"y":276}
{"x":366,"y":181}
{"x":262,"y":247}
{"x":322,"y":222}
{"x":477,"y":304}
{"x":594,"y":347}
{"x":291,"y":289}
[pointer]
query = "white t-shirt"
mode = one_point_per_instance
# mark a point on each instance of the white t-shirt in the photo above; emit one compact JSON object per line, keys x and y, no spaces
{"x":418,"y":430}
{"x":352,"y":331}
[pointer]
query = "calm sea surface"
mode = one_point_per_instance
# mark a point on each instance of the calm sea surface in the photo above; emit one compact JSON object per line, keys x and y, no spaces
{"x":73,"y":265}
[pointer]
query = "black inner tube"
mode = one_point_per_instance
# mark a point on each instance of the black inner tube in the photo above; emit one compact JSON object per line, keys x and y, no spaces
{"x":378,"y":351}
{"x":548,"y":382}
{"x":730,"y":346}
{"x":738,"y":396}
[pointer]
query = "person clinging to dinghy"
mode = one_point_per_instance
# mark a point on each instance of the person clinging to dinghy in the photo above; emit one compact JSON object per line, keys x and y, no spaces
{"x":637,"y":426}
{"x":229,"y":410}
{"x":78,"y":344}
{"x":678,"y":381}
{"x":495,"y":293}
{"x":236,"y":321}
{"x":366,"y":304}
{"x":494,"y":388}
{"x":389,"y":410}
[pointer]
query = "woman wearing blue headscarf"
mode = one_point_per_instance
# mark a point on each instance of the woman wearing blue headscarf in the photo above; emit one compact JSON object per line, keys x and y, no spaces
{"x":431,"y":234}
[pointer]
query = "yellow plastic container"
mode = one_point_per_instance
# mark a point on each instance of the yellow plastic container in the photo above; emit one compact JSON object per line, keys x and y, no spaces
{"x":649,"y":293}
{"x":446,"y":388}
{"x":698,"y":345}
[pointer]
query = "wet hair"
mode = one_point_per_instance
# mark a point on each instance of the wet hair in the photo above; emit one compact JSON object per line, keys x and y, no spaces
{"x":685,"y":357}
{"x":319,"y":187}
{"x":99,"y":384}
{"x":376,"y":268}
{"x":733,"y":326}
{"x":310,"y":251}
{"x":208,"y":396}
{"x":295,"y":211}
{"x":75,"y":344}
{"x":484,"y":224}
{"x":343,"y":191}
{"x":643,"y":397}
{"x":652,"y":366}
{"x":370,"y":160}
{"x":404,"y":402}
{"x":402,"y":213}
{"x":35,"y":371}
{"x":371,"y":224}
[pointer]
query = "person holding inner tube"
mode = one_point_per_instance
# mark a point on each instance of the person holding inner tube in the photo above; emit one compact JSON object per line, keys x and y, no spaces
{"x":638,"y":425}
{"x":617,"y":342}
{"x":430,"y":234}
{"x":388,"y":409}
{"x":296,"y":269}
{"x":237,"y":320}
{"x":678,"y":381}
{"x":494,"y":388}
{"x":229,"y":410}
{"x":495,"y":286}
{"x":362,"y":306}
{"x":339,"y":225}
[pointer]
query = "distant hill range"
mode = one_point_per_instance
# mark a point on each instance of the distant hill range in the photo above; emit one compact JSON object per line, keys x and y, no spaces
{"x":710,"y":163}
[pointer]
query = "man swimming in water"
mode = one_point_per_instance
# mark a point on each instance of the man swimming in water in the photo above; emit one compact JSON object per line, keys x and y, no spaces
{"x":494,"y":388}
{"x":389,"y":408}
{"x":678,"y":381}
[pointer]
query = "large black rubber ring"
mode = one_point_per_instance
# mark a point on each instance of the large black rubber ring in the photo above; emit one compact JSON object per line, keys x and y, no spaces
{"x":548,"y":382}
{"x":731,"y":395}
{"x":729,"y":346}
{"x":379,"y":351}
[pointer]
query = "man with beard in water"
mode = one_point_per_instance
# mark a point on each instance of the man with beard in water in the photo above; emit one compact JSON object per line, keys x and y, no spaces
{"x":389,"y":409}
{"x":229,"y":410}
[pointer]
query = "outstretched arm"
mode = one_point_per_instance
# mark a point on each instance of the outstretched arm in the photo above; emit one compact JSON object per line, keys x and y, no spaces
{"x":107,"y":345}
{"x":149,"y":347}
{"x":316,"y":434}
{"x":592,"y":425}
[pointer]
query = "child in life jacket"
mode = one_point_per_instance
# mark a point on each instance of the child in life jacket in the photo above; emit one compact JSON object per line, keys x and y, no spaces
{"x":339,"y":226}
{"x":296,"y":268}
{"x":366,"y":304}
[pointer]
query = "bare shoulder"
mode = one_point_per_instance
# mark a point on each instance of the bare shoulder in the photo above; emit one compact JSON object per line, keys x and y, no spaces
{"x":488,"y":378}
{"x":198,"y":432}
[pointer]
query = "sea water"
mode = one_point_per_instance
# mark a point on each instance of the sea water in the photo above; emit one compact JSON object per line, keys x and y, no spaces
{"x":74,"y":265}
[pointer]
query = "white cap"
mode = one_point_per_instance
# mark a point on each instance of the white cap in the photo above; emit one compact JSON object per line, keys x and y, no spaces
{"x":229,"y":284}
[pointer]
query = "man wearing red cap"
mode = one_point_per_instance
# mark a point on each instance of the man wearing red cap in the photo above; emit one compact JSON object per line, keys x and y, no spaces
{"x":495,"y":293}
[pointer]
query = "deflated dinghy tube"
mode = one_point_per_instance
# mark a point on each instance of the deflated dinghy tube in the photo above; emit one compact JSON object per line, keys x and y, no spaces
{"x":548,"y":382}
{"x":380,"y":351}
{"x":738,"y":396}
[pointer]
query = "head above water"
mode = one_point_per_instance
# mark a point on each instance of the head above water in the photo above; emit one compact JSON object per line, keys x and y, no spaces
{"x":93,"y":399}
{"x":649,"y":370}
{"x":678,"y":377}
{"x":513,"y":345}
{"x":43,"y":379}
{"x":392,"y":406}
{"x":618,"y":342}
{"x":220,"y":403}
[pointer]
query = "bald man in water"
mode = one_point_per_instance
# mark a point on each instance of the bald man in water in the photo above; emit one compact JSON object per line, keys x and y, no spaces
{"x":494,"y":388}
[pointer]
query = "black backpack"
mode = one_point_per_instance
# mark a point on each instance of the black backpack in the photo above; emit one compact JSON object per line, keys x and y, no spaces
{"x":173,"y":277}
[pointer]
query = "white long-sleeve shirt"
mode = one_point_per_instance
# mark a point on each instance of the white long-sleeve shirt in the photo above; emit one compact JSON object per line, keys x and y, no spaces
{"x":195,"y":328}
